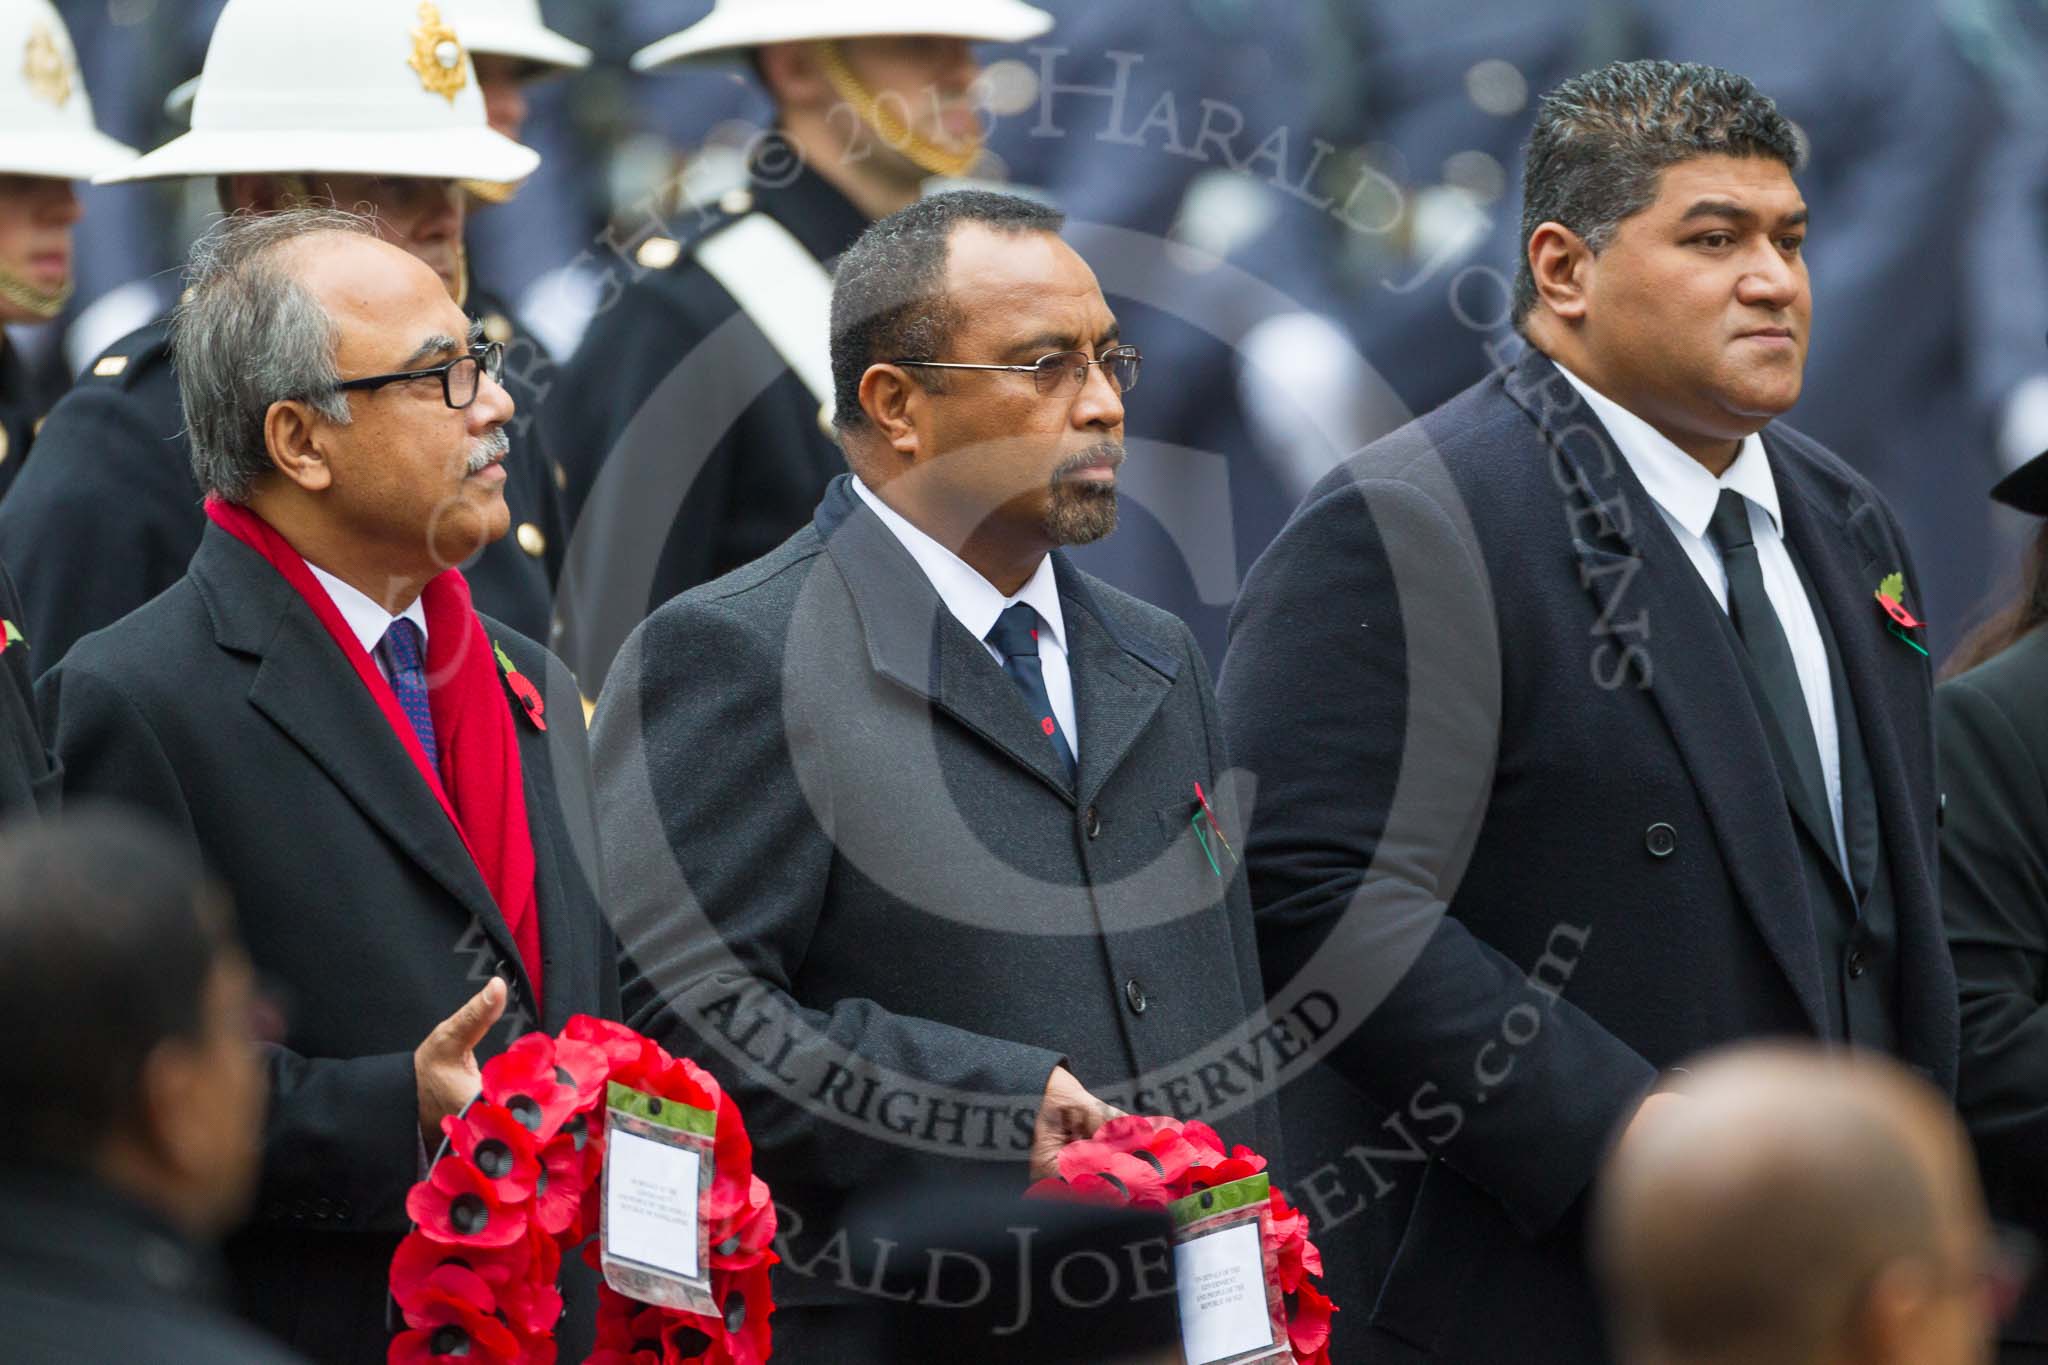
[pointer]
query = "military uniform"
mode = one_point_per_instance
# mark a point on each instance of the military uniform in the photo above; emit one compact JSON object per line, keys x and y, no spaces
{"x":762,"y":474}
{"x":20,"y":407}
{"x":110,"y":513}
{"x":29,"y":776}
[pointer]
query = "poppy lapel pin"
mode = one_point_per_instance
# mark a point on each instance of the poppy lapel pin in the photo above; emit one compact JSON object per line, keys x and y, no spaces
{"x":528,"y":695}
{"x":1891,"y":594}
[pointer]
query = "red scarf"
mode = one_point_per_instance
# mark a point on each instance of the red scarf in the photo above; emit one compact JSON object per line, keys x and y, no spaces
{"x":479,"y":784}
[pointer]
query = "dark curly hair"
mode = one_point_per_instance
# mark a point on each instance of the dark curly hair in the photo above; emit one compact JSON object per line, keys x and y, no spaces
{"x":1602,"y":139}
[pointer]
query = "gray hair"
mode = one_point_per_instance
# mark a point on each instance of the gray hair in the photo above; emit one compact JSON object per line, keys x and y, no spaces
{"x":1603,"y":139}
{"x":248,"y":335}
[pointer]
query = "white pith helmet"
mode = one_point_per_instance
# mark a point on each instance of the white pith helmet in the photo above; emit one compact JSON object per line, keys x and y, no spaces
{"x":369,"y":87}
{"x":46,"y":126}
{"x":735,"y":25}
{"x":503,"y":28}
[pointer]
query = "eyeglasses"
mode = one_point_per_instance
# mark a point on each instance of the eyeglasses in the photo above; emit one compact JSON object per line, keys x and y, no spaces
{"x":460,"y":378}
{"x":1049,"y":372}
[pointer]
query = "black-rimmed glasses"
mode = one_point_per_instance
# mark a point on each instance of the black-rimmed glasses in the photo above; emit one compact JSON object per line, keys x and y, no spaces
{"x":1049,"y":372}
{"x":460,"y":378}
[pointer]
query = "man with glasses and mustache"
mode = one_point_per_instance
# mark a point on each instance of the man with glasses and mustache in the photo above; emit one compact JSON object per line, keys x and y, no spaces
{"x":917,"y":830}
{"x":362,"y":756}
{"x":372,"y":106}
{"x":706,"y":369}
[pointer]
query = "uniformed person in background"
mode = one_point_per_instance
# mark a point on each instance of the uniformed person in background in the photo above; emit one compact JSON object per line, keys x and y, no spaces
{"x":372,"y":105}
{"x":47,"y":140}
{"x":721,"y":451}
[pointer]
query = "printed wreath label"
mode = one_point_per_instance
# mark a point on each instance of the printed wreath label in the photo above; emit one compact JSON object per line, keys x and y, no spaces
{"x":512,"y":1193}
{"x":1155,"y":1162}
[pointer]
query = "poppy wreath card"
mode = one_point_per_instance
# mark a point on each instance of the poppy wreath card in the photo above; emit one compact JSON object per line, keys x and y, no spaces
{"x":1185,"y":1169}
{"x":518,"y":1185}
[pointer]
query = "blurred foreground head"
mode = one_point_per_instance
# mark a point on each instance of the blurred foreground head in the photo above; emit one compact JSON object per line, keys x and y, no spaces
{"x":1799,"y":1208}
{"x":125,"y":1005}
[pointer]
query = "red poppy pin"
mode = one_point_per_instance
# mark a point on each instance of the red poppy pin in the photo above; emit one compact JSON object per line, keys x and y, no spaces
{"x":10,"y":634}
{"x":528,"y":694}
{"x":1891,"y":593}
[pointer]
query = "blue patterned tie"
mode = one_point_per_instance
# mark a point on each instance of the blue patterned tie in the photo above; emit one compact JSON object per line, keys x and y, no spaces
{"x":407,"y":662}
{"x":1015,"y":637}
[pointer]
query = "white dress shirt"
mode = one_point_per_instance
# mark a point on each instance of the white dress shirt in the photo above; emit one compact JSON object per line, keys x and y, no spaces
{"x":368,"y":621}
{"x":976,"y":604}
{"x":1686,"y":495}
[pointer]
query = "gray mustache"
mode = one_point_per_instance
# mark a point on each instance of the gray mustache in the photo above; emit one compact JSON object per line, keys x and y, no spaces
{"x":485,"y":449}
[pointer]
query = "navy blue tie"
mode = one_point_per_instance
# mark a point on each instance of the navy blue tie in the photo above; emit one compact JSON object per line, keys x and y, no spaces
{"x":1015,"y":637}
{"x":407,"y":662}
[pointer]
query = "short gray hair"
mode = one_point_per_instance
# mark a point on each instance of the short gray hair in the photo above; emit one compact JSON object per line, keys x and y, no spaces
{"x":248,"y":335}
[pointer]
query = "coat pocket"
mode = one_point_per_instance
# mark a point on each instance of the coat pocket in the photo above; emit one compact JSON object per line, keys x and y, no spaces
{"x":1440,"y":1251}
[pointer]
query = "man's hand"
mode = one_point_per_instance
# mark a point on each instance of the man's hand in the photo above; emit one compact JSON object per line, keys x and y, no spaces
{"x":1066,"y":1114}
{"x":444,"y":1067}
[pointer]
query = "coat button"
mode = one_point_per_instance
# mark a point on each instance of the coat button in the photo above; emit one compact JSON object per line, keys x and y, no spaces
{"x":1660,"y":839}
{"x":1941,"y":810}
{"x":1091,"y":822}
{"x":1858,"y":963}
{"x":531,"y":539}
{"x":1134,"y":996}
{"x":324,"y":1209}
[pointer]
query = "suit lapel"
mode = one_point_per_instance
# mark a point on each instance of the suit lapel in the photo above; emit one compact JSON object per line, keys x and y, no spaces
{"x":1117,"y":690}
{"x":305,"y":687}
{"x":1844,"y":569}
{"x":915,"y":642}
{"x":1640,"y":577}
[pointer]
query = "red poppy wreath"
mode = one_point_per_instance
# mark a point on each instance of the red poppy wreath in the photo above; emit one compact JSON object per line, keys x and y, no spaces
{"x":1160,"y":1162}
{"x":513,"y":1190}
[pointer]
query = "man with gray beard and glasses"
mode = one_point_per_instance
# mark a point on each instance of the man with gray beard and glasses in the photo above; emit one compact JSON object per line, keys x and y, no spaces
{"x":368,"y":763}
{"x":907,"y":816}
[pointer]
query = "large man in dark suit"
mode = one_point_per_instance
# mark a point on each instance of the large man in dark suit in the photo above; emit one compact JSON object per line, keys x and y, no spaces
{"x":1582,"y":739}
{"x":318,"y":707}
{"x":906,"y":818}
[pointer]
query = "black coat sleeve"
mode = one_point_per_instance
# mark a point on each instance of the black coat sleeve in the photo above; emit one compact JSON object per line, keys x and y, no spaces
{"x":1994,"y":867}
{"x":1361,"y":692}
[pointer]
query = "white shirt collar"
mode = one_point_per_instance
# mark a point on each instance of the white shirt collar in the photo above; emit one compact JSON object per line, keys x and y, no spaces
{"x":1676,"y":481}
{"x":366,"y":619}
{"x":972,"y":599}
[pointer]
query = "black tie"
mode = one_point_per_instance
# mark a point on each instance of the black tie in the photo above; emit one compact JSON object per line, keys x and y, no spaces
{"x":1763,"y":636}
{"x":1015,"y":637}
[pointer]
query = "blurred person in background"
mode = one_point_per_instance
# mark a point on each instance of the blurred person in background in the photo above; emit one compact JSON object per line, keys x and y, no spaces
{"x":1994,"y":848}
{"x":47,"y":141}
{"x":135,"y":1098}
{"x":705,"y":383}
{"x":110,"y":516}
{"x":1795,"y":1207}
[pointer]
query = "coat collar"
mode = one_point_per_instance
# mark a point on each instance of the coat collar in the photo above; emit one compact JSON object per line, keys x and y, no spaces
{"x":1121,"y":673}
{"x":305,"y":687}
{"x":104,"y":1239}
{"x":816,"y":214}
